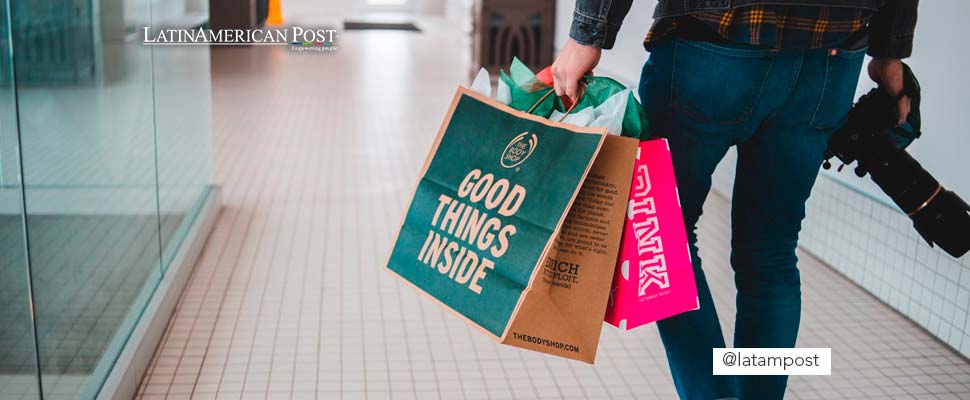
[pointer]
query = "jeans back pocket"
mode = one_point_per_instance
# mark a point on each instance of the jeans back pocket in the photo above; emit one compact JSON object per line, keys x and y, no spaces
{"x":718,"y":83}
{"x":842,"y":68}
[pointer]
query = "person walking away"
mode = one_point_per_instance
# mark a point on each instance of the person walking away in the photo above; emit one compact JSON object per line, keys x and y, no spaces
{"x":774,"y":78}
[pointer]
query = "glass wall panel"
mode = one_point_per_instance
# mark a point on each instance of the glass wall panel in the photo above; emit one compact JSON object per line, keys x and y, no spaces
{"x":183,"y":120}
{"x":85,"y":97}
{"x":18,"y":357}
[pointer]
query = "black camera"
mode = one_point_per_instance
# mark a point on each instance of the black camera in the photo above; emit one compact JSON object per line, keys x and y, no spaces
{"x":871,"y":137}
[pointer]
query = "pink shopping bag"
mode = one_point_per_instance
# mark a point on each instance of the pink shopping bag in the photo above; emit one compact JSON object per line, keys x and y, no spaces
{"x":654,"y":278}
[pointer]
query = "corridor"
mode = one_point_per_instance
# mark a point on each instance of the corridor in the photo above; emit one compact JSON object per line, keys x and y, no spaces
{"x":316,"y":155}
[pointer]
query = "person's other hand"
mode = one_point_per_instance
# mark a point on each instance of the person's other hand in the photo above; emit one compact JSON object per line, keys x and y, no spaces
{"x":574,"y":61}
{"x":888,"y":73}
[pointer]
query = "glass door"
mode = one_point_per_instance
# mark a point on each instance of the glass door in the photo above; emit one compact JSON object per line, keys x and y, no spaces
{"x":19,"y":376}
{"x":104,"y":166}
{"x":85,"y":101}
{"x":394,"y":6}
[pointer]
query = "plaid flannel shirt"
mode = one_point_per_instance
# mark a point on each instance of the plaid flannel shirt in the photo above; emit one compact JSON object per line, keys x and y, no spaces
{"x":773,"y":26}
{"x":889,"y":29}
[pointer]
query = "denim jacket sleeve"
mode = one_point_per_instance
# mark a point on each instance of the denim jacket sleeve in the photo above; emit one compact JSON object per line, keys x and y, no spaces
{"x":596,"y":22}
{"x":891,"y":29}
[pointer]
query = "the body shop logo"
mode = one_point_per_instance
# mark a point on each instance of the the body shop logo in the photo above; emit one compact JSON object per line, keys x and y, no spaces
{"x":519,"y":149}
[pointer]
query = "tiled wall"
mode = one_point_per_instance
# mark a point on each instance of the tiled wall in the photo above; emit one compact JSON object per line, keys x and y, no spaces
{"x":875,"y":245}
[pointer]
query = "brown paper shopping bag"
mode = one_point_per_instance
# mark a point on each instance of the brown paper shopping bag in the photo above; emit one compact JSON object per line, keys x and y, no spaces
{"x":515,"y":225}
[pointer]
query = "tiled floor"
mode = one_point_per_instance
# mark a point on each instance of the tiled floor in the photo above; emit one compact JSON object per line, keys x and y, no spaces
{"x":87,"y":271}
{"x":317,"y":153}
{"x":88,"y":279}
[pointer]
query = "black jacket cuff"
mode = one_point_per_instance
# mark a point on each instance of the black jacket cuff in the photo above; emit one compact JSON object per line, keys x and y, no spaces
{"x":591,"y":31}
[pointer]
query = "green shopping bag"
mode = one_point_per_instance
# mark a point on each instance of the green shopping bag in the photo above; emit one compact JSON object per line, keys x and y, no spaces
{"x":515,"y":223}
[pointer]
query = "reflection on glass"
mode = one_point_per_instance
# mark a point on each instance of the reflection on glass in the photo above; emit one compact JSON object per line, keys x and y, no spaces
{"x":111,"y":139}
{"x":18,"y":357}
{"x":87,"y":139}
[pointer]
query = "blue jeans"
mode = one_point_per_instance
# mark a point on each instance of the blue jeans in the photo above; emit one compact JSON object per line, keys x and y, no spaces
{"x":779,"y":108}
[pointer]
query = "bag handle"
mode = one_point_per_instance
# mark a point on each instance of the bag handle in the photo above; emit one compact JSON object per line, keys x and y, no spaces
{"x":582,"y":91}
